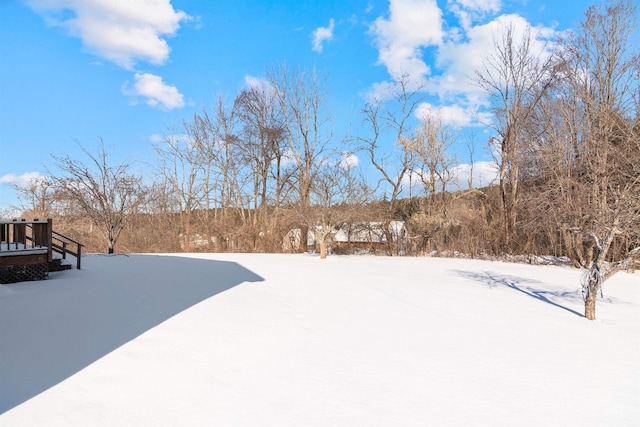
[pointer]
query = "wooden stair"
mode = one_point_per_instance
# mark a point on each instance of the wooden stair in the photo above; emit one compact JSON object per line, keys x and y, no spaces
{"x":57,"y":265}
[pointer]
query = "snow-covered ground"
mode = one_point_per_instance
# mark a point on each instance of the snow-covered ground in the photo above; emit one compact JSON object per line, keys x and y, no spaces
{"x":292,"y":340}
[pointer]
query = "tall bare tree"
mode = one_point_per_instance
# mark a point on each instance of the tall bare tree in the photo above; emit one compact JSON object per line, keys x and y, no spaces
{"x":434,"y":166}
{"x":432,"y":143}
{"x":202,"y":164}
{"x":301,"y":95}
{"x":262,"y":146}
{"x":515,"y":77}
{"x":179,"y":167}
{"x":588,"y":152}
{"x":397,"y":162}
{"x":108,"y":194}
{"x":222,"y":156}
{"x":608,"y":156}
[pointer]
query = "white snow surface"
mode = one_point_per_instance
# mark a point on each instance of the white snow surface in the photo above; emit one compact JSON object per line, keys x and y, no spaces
{"x":292,"y":340}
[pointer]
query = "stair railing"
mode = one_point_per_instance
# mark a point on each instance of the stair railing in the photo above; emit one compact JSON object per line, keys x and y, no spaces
{"x":64,"y":245}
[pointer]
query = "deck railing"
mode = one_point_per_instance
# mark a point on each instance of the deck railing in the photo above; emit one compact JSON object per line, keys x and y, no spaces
{"x":17,"y":235}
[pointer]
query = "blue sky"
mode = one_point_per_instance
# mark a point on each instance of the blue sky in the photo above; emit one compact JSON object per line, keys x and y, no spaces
{"x":127,"y":71}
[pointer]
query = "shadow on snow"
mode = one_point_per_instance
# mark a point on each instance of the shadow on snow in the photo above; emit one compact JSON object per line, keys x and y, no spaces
{"x":523,"y":285}
{"x":51,"y":329}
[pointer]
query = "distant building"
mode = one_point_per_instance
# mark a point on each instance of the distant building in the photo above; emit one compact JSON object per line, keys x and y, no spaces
{"x":364,"y":236}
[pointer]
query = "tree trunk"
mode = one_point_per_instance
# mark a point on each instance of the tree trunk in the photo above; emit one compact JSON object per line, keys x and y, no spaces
{"x":388,"y":237}
{"x":590,"y":301}
{"x":323,"y":249}
{"x":304,"y":236}
{"x":595,"y":281}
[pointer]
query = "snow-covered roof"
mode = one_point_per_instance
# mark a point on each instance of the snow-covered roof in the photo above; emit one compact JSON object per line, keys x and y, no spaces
{"x":368,"y":232}
{"x":355,"y":232}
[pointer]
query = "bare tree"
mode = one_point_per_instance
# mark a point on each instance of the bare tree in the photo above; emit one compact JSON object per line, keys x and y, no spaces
{"x":37,"y":197}
{"x":609,"y":137}
{"x":432,"y":142}
{"x":203,"y":166}
{"x":515,"y":77}
{"x":219,"y":151}
{"x":398,"y":161}
{"x":262,"y":146}
{"x":108,"y":194}
{"x":180,"y":170}
{"x":339,"y":190}
{"x":300,"y":95}
{"x":470,"y":142}
{"x":589,"y":152}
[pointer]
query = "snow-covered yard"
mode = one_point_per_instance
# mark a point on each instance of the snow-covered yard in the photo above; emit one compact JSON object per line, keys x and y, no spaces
{"x":290,"y":340}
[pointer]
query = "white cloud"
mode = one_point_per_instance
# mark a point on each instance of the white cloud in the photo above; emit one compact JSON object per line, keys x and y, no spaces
{"x":157,"y":93}
{"x":454,"y":115}
{"x":288,"y":158}
{"x":484,"y":174}
{"x":467,"y":11}
{"x":258,"y":83}
{"x":379,"y":91}
{"x":348,"y":160}
{"x":411,"y":26}
{"x":261,"y":86}
{"x":120,"y":31}
{"x":411,"y":184}
{"x":20,"y":180}
{"x":157,"y":138}
{"x":450,"y":115}
{"x":414,"y":28}
{"x":460,"y":60}
{"x":322,"y":34}
{"x":479,"y":5}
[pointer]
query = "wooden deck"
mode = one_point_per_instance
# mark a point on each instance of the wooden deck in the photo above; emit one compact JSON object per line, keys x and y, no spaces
{"x":27,"y":249}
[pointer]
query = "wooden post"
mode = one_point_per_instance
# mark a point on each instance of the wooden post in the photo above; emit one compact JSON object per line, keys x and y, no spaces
{"x":39,"y":233}
{"x":50,"y":239}
{"x":20,"y":233}
{"x":79,"y":257}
